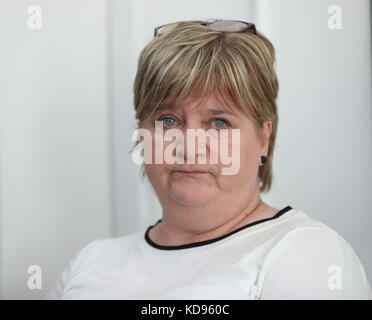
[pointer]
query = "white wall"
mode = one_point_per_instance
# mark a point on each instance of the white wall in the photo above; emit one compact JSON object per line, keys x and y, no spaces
{"x":55,"y":149}
{"x":322,"y":162}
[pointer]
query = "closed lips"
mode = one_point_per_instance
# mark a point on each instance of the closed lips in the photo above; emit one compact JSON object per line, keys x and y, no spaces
{"x":191,"y":173}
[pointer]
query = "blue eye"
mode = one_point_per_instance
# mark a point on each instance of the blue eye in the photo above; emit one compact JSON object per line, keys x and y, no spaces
{"x":168,"y":121}
{"x":220,"y":123}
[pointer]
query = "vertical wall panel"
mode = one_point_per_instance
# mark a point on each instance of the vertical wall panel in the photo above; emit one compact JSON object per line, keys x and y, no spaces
{"x":322,"y":162}
{"x":55,"y":152}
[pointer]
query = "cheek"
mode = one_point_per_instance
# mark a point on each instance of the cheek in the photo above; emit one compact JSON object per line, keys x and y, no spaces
{"x":249,"y":148}
{"x":156,"y":173}
{"x":244,"y":151}
{"x":159,"y":147}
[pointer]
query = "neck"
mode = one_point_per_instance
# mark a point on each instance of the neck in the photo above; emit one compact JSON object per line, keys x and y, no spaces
{"x":178,"y":229}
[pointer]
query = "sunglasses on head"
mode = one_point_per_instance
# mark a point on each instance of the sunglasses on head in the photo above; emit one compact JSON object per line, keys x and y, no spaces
{"x":216,"y":25}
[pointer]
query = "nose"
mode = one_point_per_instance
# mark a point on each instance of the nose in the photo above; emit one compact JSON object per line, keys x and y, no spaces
{"x":194,"y":147}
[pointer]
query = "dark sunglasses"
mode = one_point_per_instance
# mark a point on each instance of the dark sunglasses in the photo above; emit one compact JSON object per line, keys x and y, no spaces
{"x":217,"y":25}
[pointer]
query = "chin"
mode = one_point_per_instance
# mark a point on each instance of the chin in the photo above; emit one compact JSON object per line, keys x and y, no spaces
{"x":190,"y":195}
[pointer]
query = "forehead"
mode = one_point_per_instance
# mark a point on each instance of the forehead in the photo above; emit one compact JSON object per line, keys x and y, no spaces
{"x":210,"y":102}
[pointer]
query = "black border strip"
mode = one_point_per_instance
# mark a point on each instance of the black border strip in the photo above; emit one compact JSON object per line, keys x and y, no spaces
{"x":205,"y":242}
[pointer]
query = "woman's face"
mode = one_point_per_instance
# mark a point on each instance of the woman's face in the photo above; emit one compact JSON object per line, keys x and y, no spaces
{"x":174,"y":187}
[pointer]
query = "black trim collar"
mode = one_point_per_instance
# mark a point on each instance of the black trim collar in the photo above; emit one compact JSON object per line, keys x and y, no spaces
{"x":205,"y":242}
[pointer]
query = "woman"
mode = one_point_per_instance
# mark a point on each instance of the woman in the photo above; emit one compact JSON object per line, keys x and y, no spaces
{"x":217,"y":239}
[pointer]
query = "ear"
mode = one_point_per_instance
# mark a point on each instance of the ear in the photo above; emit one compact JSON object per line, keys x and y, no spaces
{"x":265,"y":136}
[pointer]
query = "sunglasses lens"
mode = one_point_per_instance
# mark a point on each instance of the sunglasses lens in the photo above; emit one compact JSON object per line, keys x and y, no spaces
{"x":222,"y":26}
{"x":228,"y":26}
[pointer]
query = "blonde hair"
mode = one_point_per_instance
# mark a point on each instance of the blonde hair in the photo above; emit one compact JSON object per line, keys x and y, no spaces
{"x":189,"y":56}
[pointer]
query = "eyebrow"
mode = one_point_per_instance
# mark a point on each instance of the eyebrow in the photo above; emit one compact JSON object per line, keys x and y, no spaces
{"x":211,"y":111}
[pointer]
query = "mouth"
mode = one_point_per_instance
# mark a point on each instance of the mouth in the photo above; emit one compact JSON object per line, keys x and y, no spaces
{"x":191,"y":173}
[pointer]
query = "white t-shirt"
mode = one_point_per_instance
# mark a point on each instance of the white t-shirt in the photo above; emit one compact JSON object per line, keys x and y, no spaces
{"x":288,"y":256}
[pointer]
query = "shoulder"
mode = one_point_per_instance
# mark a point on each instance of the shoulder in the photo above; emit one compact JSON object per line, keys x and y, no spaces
{"x":101,"y":252}
{"x":310,"y":260}
{"x":97,"y":255}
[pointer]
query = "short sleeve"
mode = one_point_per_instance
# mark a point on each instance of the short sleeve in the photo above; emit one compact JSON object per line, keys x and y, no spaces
{"x":313,"y":263}
{"x":58,"y":287}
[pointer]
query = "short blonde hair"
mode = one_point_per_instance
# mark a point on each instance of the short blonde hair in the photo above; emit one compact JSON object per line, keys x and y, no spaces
{"x":190,"y":56}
